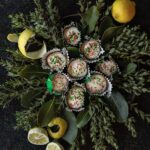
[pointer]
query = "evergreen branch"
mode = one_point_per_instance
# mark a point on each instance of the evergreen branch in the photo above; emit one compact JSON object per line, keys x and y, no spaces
{"x":25,"y":119}
{"x":101,"y":131}
{"x":144,"y":116}
{"x":130,"y":124}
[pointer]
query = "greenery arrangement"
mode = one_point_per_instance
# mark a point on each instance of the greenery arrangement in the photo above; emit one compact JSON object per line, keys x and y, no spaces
{"x":127,"y":45}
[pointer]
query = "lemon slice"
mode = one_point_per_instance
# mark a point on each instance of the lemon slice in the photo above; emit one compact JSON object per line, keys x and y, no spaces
{"x":54,"y":146}
{"x":22,"y":41}
{"x":38,"y":136}
{"x":12,"y":37}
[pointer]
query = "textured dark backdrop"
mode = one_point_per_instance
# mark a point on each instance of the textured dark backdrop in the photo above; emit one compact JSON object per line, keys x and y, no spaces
{"x":16,"y":140}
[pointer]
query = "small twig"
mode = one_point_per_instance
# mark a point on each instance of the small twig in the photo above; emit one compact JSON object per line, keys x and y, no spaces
{"x":72,"y":15}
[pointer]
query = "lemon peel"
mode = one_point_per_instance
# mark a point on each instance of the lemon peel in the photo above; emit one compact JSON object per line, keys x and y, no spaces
{"x":61,"y":123}
{"x":22,"y":41}
{"x":12,"y":37}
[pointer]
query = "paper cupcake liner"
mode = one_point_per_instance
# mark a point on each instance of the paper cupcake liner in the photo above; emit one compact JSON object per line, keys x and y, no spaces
{"x":72,"y":24}
{"x":44,"y":59}
{"x":62,"y":93}
{"x":82,"y":104}
{"x":97,"y":58}
{"x":111,"y":76}
{"x":72,"y":79}
{"x":108,"y":90}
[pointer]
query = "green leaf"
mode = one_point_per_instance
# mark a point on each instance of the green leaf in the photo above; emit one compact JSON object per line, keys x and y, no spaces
{"x":91,"y":17}
{"x":73,"y":51}
{"x":28,"y":97}
{"x":83,"y":118}
{"x":119,"y":105}
{"x":72,"y":131}
{"x":47,"y":112}
{"x":110,"y":33}
{"x":105,"y":24}
{"x":31,"y":71}
{"x":131,"y":68}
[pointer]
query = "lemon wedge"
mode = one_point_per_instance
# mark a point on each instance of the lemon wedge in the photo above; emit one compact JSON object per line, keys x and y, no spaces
{"x":54,"y":146}
{"x":38,"y":136}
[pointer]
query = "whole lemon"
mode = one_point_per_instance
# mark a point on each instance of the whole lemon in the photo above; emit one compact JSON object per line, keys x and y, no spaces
{"x":57,"y":127}
{"x":123,"y":11}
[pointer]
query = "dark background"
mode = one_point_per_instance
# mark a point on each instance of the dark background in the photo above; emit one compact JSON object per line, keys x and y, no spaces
{"x":16,"y":140}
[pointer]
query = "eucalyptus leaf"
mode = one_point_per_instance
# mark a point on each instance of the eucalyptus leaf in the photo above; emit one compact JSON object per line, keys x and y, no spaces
{"x":119,"y":105}
{"x":31,"y":71}
{"x":83,"y":118}
{"x":110,"y":33}
{"x":91,"y":17}
{"x":72,"y":131}
{"x":47,"y":112}
{"x":131,"y":68}
{"x":29,"y":96}
{"x":105,"y":24}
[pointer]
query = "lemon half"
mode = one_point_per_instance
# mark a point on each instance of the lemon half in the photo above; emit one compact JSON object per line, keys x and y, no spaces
{"x":22,"y":41}
{"x":38,"y":136}
{"x":54,"y":146}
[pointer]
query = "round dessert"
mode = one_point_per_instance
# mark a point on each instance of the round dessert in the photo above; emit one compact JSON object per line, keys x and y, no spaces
{"x":72,"y":35}
{"x":108,"y":67}
{"x":77,"y":69}
{"x":75,"y":97}
{"x":97,"y":84}
{"x":60,"y":83}
{"x":91,"y":49}
{"x":54,"y":60}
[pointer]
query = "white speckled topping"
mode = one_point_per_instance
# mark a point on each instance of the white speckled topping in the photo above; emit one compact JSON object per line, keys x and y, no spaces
{"x":77,"y":68}
{"x":90,"y":49}
{"x":108,"y":67}
{"x":75,"y":97}
{"x":56,"y":61}
{"x":97,"y":84}
{"x":72,"y":35}
{"x":60,"y":83}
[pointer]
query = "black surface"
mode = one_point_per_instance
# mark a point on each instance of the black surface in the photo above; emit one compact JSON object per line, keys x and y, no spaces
{"x":16,"y":140}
